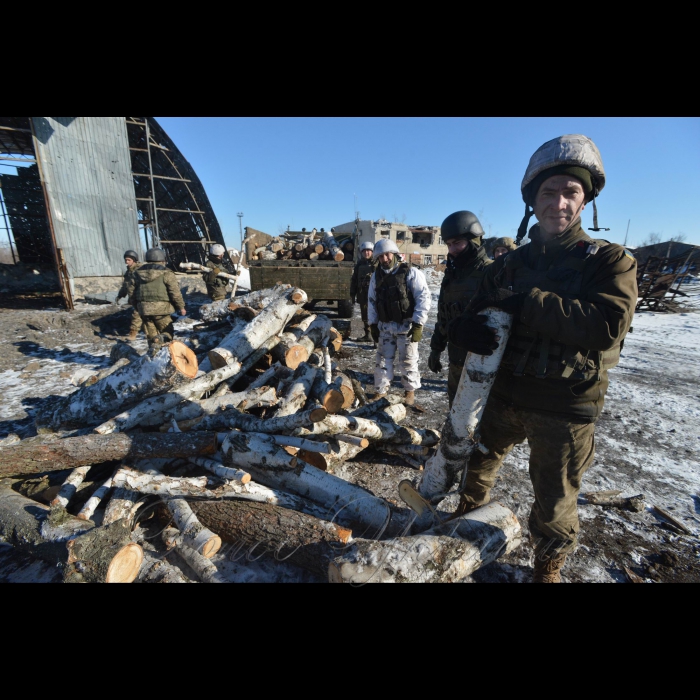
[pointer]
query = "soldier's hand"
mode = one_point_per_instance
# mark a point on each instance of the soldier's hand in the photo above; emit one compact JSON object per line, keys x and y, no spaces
{"x":374,"y":331}
{"x":469,"y":333}
{"x":416,"y":332}
{"x":434,"y":364}
{"x":510,"y":302}
{"x":183,"y":312}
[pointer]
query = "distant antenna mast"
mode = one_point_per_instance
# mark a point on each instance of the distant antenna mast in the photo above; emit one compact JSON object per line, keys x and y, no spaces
{"x":240,"y":226}
{"x":357,"y":213}
{"x":627,"y":231}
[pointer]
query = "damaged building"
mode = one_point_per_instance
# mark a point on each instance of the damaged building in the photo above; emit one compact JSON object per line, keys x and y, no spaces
{"x":84,"y":190}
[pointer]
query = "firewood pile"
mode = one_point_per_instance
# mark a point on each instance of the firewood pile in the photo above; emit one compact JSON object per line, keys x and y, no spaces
{"x":232,"y":436}
{"x":314,"y":245}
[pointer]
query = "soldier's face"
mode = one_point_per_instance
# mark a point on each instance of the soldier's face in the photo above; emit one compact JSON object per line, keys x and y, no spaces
{"x":129,"y":261}
{"x":499,"y":251}
{"x":456,"y":245}
{"x":386,"y":260}
{"x":559,"y":202}
{"x":366,"y":253}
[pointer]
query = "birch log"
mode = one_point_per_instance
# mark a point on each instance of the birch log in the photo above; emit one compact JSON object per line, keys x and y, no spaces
{"x":344,"y":385}
{"x":195,"y":535}
{"x":90,"y":506}
{"x":236,"y":346}
{"x":123,"y":505}
{"x":94,"y":378}
{"x":211,"y":465}
{"x":329,"y":396}
{"x":340,"y":451}
{"x":158,"y":484}
{"x":158,"y":570}
{"x":296,"y":396}
{"x":447,"y":553}
{"x":205,"y":569}
{"x":256,"y":301}
{"x":244,"y":450}
{"x":242,"y":421}
{"x":204,"y":268}
{"x":70,"y":486}
{"x":289,"y":352}
{"x":42,"y":454}
{"x":373,"y":407}
{"x":90,"y":405}
{"x":459,"y":432}
{"x":286,"y":535}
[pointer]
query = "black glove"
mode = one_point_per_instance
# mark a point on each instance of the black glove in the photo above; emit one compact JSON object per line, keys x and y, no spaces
{"x":510,"y":302}
{"x":374,"y":330}
{"x":469,"y":333}
{"x":434,"y":364}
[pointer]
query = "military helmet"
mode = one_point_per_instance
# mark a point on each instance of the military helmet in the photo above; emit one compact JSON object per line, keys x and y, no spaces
{"x":216,"y":249}
{"x":131,"y":254}
{"x":367,"y":245}
{"x":461,"y":224}
{"x":572,"y":154}
{"x":386,"y":245}
{"x":155,"y":255}
{"x":504,"y":242}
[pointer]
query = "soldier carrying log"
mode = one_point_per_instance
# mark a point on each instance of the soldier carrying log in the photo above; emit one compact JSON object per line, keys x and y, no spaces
{"x":572,"y":298}
{"x":216,"y":286}
{"x":131,"y":259}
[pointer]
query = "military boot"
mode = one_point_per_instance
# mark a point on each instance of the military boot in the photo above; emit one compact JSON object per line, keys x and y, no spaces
{"x":132,"y":335}
{"x":409,"y":398}
{"x":548,"y":570}
{"x":463,"y":507}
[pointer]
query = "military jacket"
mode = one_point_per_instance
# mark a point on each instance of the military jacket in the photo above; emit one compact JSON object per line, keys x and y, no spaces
{"x":216,"y":286}
{"x":394,"y":299}
{"x":459,"y":284}
{"x":157,"y":291}
{"x":361,"y":277}
{"x":127,"y":288}
{"x":580,"y":296}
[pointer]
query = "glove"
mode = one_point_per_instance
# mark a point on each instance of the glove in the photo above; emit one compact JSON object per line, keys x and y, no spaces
{"x":469,"y":333}
{"x":510,"y":302}
{"x":416,"y":332}
{"x":374,"y":331}
{"x":434,"y":364}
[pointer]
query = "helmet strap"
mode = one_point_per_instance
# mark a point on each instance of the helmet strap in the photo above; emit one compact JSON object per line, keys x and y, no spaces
{"x":595,"y":219}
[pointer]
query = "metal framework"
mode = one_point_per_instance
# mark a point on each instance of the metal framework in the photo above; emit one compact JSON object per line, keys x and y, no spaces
{"x":659,"y":282}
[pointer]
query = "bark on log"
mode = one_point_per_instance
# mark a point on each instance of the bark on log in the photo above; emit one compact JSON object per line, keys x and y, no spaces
{"x":236,"y":346}
{"x":43,"y":454}
{"x":123,"y":351}
{"x":330,"y":397}
{"x":127,"y":386}
{"x":211,"y":465}
{"x":123,"y":505}
{"x":103,"y":555}
{"x":336,"y":339}
{"x":194,"y":535}
{"x":157,"y":570}
{"x":204,"y":268}
{"x":448,"y":553}
{"x":94,"y":378}
{"x":243,"y":450}
{"x":255,"y":301}
{"x":70,"y":486}
{"x":88,"y":509}
{"x":289,"y":352}
{"x":340,"y":451}
{"x":158,"y":484}
{"x":344,"y":385}
{"x":205,"y":569}
{"x":460,"y":430}
{"x":295,"y":398}
{"x":286,"y":535}
{"x":235,"y":420}
{"x":373,"y":407}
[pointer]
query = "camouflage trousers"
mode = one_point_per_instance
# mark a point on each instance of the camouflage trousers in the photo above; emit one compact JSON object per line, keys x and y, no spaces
{"x":363,"y":316}
{"x":391,"y":342}
{"x":561,"y":450}
{"x":136,"y":322}
{"x":156,"y":326}
{"x":454,"y":374}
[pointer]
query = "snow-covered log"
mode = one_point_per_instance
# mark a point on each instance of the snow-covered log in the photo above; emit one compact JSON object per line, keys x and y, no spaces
{"x":460,"y":430}
{"x":90,"y":405}
{"x":158,"y":484}
{"x":94,"y":378}
{"x":284,"y":534}
{"x":447,"y":553}
{"x":236,"y":346}
{"x":295,"y":398}
{"x":255,"y":301}
{"x":42,"y":454}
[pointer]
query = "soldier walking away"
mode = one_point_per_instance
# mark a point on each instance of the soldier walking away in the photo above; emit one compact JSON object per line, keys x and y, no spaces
{"x":572,"y":298}
{"x":131,"y":258}
{"x":157,"y":295}
{"x":466,"y":265}
{"x":216,"y":286}
{"x":359,"y":285}
{"x":503,"y":246}
{"x":398,"y":304}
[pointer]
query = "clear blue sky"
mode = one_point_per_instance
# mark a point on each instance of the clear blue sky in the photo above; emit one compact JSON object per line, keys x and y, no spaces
{"x":317,"y":171}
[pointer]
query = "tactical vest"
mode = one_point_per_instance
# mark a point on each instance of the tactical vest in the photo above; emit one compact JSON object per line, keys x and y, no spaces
{"x":365,"y":268}
{"x":395,"y":301}
{"x":216,"y":282}
{"x":155,"y":290}
{"x":532,"y":353}
{"x":459,"y":285}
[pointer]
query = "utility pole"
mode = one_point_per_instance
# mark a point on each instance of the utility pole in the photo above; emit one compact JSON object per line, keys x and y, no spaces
{"x":626,"y":232}
{"x":240,"y":227}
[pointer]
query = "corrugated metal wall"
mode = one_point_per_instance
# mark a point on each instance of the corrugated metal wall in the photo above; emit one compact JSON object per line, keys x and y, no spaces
{"x":87,"y":171}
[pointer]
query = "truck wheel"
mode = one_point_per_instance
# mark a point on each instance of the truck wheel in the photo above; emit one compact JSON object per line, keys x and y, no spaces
{"x":345,"y":308}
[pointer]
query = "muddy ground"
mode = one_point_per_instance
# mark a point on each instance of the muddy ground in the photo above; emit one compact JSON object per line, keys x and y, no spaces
{"x":42,"y":349}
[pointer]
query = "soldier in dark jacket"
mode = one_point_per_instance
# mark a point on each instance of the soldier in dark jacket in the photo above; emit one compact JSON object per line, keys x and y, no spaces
{"x":216,"y":286}
{"x":157,"y":295}
{"x":466,"y":265}
{"x":359,"y":284}
{"x":572,"y":298}
{"x":131,"y":259}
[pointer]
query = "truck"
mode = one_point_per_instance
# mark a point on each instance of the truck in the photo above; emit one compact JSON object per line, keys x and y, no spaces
{"x":322,"y":280}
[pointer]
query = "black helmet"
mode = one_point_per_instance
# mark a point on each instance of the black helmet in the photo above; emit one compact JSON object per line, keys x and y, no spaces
{"x":155,"y":255}
{"x":461,"y":224}
{"x":131,"y":254}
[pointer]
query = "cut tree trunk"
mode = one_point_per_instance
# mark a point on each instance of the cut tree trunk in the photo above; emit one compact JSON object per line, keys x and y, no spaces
{"x":194,"y":535}
{"x":235,"y":420}
{"x":94,"y":378}
{"x":448,"y":553}
{"x":244,"y":450}
{"x":340,"y":451}
{"x":156,"y":570}
{"x":211,"y":465}
{"x":70,"y":486}
{"x":289,"y":352}
{"x":42,"y":454}
{"x":297,"y":394}
{"x":127,"y":386}
{"x":329,"y":396}
{"x":286,"y":535}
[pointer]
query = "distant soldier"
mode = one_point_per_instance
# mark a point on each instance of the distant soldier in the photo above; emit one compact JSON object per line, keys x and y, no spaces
{"x":157,"y":295}
{"x":216,"y":286}
{"x":359,"y":284}
{"x":131,"y":258}
{"x":503,"y":246}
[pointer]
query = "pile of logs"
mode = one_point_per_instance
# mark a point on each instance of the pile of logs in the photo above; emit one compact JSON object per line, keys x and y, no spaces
{"x":231,"y":436}
{"x":315,"y":245}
